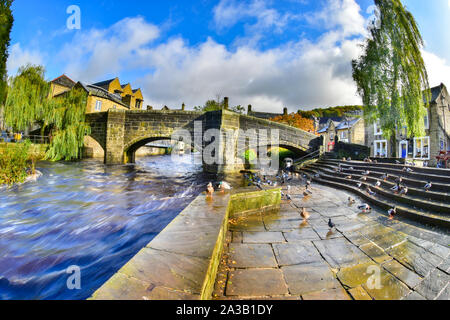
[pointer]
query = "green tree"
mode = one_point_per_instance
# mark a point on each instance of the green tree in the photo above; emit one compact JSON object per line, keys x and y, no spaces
{"x":28,"y":102}
{"x":6,"y":23}
{"x":391,"y":75}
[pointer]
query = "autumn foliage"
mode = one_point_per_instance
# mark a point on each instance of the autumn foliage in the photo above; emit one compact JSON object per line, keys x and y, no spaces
{"x":297,"y":121}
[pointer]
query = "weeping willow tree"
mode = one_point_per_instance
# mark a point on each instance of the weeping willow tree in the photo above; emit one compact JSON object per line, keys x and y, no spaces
{"x":28,"y":103}
{"x":6,"y":23}
{"x":390,"y":75}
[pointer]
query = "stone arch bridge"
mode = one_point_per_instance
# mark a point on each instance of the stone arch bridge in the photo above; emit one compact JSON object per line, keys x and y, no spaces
{"x":120,"y":133}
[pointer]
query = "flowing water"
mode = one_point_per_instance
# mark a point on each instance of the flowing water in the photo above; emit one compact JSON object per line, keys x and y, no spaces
{"x":88,"y":215}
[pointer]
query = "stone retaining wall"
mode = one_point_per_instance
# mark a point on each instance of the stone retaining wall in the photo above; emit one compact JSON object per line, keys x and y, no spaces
{"x":182,"y":261}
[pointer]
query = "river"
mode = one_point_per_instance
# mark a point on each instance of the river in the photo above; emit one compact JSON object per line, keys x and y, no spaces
{"x":89,"y":215}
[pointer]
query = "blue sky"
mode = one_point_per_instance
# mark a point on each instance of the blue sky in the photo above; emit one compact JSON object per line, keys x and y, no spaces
{"x":267,"y":53}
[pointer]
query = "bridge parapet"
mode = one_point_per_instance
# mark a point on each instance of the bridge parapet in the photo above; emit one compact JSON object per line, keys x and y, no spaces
{"x":121,"y":133}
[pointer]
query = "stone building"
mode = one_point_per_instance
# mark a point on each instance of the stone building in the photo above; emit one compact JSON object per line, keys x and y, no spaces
{"x":102,"y":96}
{"x":419,"y":149}
{"x":349,"y":130}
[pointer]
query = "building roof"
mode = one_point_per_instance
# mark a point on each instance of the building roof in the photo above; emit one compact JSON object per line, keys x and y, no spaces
{"x":102,"y":93}
{"x":104,"y":84}
{"x":347,"y":124}
{"x":64,"y":81}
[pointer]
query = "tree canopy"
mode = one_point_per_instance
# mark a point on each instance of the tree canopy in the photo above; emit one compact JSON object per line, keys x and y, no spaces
{"x":28,"y":103}
{"x":6,"y":23}
{"x":296,"y":120}
{"x":213,"y":105}
{"x":390,"y":74}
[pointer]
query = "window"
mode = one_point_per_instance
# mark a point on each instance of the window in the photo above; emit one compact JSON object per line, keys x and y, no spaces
{"x":380,"y":150}
{"x":343,"y":136}
{"x":377,"y":126}
{"x":332,"y":136}
{"x":426,"y":120}
{"x":138,"y":104}
{"x":98,"y":106}
{"x":422,"y":148}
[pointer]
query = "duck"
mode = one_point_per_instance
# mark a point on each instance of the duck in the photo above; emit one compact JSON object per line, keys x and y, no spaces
{"x":210,"y":189}
{"x":364,"y":207}
{"x":351,"y":201}
{"x":359,"y":185}
{"x":288,"y":197}
{"x":348,"y":177}
{"x":384,"y":177}
{"x":366,"y":173}
{"x":428,"y":186}
{"x":403,"y":191}
{"x":378,"y":184}
{"x":395,"y":188}
{"x":363,"y":178}
{"x":223,"y":185}
{"x":370,"y":192}
{"x":317,"y":175}
{"x":351,"y":168}
{"x":392,"y":212}
{"x":305,"y":215}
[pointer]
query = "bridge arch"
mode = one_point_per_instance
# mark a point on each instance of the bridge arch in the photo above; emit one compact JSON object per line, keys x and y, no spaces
{"x":131,"y":148}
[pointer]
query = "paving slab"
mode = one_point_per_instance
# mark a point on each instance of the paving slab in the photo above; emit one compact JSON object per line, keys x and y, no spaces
{"x":415,"y":258}
{"x":175,"y":271}
{"x":256,"y":283}
{"x":301,"y":234}
{"x":284,"y":225}
{"x":391,"y":288}
{"x":414,"y":296}
{"x":247,"y":223}
{"x":432,"y":286}
{"x":302,"y":279}
{"x":340,"y":252}
{"x":445,"y":294}
{"x":251,"y":256}
{"x":296,"y":253}
{"x":375,"y":252}
{"x":408,"y":277}
{"x":263,"y":237}
{"x":337,"y":294}
{"x":359,"y":293}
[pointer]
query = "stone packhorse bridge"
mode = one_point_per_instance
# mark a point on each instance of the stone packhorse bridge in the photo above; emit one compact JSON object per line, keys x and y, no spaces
{"x":120,"y":133}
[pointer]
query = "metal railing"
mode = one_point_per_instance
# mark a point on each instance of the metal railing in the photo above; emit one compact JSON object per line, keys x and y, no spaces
{"x":17,"y":138}
{"x":312,"y":155}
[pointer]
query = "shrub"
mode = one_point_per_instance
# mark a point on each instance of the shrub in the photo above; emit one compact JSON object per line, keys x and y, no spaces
{"x":15,"y":163}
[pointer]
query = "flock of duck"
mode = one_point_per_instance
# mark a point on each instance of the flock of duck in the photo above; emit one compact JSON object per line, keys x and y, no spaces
{"x":400,"y":188}
{"x":284,"y":177}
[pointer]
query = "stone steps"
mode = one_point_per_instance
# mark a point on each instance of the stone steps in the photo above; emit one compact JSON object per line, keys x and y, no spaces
{"x":385,"y":203}
{"x":438,"y":197}
{"x":421,"y":174}
{"x":439,"y":184}
{"x":428,"y":205}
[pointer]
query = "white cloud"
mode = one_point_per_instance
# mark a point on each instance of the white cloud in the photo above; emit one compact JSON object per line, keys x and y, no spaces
{"x":438,"y":69}
{"x":19,"y":57}
{"x":264,"y":20}
{"x":97,"y":53}
{"x":295,"y":74}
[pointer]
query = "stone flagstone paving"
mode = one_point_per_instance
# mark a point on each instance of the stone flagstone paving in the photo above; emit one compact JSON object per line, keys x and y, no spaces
{"x":277,"y":255}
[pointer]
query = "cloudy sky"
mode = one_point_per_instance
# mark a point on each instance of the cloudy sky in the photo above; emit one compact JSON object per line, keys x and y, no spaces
{"x":268,"y":53}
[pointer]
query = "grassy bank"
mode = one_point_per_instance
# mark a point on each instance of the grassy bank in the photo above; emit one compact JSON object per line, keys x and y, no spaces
{"x":17,"y":161}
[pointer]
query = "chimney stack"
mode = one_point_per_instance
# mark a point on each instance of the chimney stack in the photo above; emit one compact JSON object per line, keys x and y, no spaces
{"x":225,"y":103}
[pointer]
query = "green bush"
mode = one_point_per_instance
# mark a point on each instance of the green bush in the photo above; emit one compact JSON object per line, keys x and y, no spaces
{"x":15,"y":163}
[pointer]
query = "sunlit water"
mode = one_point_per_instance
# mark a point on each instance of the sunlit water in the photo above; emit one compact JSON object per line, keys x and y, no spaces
{"x":89,"y":215}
